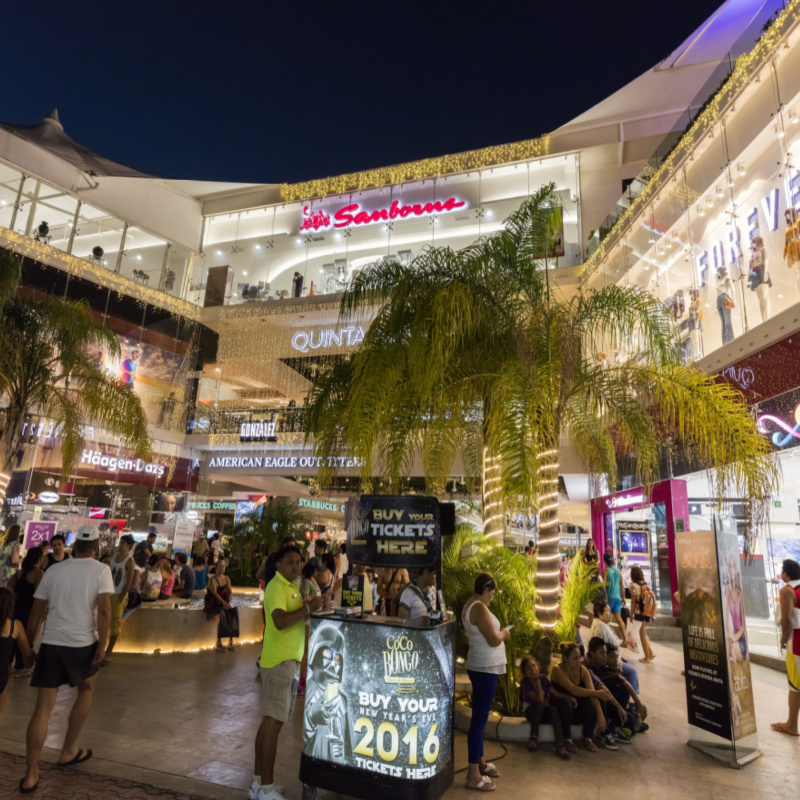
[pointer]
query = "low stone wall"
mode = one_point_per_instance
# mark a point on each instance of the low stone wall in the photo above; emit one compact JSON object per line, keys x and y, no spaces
{"x":508,"y":729}
{"x":161,"y":627}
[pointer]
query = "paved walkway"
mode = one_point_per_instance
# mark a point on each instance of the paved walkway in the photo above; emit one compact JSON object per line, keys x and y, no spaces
{"x":186,"y":723}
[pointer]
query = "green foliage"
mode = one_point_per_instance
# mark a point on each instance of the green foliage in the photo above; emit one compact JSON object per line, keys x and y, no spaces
{"x":578,"y":591}
{"x":48,"y":365}
{"x":467,"y":554}
{"x":254,"y":537}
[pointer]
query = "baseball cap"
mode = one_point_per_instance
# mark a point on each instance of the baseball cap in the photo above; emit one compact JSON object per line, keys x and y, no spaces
{"x":87,"y":533}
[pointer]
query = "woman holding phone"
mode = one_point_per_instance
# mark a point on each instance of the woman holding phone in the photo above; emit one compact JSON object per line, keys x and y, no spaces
{"x":486,"y":660}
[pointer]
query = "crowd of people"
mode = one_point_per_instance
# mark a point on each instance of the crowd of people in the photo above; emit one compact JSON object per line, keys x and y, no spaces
{"x":82,"y":596}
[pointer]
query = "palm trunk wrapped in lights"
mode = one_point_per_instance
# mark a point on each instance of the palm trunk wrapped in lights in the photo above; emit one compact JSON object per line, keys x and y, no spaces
{"x":547,"y":554}
{"x":492,"y":496}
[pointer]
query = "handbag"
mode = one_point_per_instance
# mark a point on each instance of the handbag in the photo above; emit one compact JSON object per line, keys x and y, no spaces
{"x":228,"y":627}
{"x":729,"y":304}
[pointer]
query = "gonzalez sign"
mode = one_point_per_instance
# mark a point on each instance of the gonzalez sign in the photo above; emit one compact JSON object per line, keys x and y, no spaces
{"x":351,"y":215}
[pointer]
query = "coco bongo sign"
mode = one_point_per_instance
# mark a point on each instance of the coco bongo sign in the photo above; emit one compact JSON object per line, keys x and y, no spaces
{"x":352,"y":215}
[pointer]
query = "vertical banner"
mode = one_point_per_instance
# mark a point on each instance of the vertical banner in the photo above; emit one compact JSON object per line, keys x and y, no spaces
{"x":737,"y":649}
{"x":719,"y":691}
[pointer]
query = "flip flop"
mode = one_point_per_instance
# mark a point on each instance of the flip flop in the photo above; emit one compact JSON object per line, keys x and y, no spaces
{"x":483,"y":785}
{"x":490,"y":770}
{"x":83,"y":755}
{"x":780,"y":727}
{"x":29,"y":789}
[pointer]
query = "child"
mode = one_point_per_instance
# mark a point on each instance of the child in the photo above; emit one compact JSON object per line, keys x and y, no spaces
{"x":537,"y":708}
{"x":614,"y":664}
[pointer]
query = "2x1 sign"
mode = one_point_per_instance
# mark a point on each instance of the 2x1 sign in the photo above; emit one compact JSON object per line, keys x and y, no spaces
{"x":393,"y":530}
{"x":37,"y":533}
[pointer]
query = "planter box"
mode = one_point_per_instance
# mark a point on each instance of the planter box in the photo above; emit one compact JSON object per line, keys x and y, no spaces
{"x":508,"y":729}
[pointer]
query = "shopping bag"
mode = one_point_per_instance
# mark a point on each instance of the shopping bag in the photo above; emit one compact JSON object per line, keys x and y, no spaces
{"x":228,"y":624}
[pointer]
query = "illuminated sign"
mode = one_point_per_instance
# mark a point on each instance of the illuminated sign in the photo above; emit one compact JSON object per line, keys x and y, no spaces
{"x":34,"y":430}
{"x":95,"y":458}
{"x":378,"y":706}
{"x":216,"y":505}
{"x":48,"y":497}
{"x":257,"y":431}
{"x":282,"y":462}
{"x":790,"y":433}
{"x":353,"y":215}
{"x":321,"y":505}
{"x":313,"y":340}
{"x":625,"y":500}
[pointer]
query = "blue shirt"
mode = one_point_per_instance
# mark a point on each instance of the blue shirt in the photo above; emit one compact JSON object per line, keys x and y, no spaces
{"x":614,"y":583}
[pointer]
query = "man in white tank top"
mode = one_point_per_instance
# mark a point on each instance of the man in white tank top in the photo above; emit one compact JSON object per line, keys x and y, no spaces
{"x":122,"y":568}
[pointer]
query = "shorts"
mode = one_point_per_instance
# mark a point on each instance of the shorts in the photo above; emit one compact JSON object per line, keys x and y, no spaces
{"x":279,"y":690}
{"x":57,"y":665}
{"x":615,"y":603}
{"x":117,"y":607}
{"x":642,"y":618}
{"x":793,"y":671}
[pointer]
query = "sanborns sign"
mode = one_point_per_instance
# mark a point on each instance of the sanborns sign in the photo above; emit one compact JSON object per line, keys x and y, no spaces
{"x":313,"y":340}
{"x":352,"y":215}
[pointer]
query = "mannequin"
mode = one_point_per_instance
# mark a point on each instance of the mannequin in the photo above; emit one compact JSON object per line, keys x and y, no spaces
{"x":791,"y":248}
{"x":298,"y":284}
{"x":725,"y":304}
{"x":757,"y":277}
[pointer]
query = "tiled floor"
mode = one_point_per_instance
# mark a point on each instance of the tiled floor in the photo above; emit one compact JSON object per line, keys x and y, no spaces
{"x":186,"y":723}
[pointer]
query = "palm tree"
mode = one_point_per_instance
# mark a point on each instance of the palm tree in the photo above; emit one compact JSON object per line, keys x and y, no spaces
{"x":473,"y":353}
{"x":48,"y":366}
{"x":262,"y":532}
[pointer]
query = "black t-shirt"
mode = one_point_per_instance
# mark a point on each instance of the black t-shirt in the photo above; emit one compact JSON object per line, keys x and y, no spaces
{"x":51,"y":560}
{"x":139,"y":555}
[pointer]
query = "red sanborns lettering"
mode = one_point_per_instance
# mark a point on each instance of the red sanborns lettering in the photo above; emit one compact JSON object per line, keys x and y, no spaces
{"x":350,"y":215}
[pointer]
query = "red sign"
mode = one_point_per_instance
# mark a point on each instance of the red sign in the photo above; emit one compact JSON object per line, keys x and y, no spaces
{"x":351,"y":215}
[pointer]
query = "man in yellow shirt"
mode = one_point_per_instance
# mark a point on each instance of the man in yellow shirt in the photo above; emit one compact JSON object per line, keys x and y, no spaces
{"x":284,"y":641}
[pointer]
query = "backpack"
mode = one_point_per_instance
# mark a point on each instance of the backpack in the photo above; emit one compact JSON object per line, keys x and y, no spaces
{"x":647,"y":601}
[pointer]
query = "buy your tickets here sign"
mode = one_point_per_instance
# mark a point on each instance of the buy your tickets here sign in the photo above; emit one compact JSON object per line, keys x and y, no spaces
{"x":393,"y":531}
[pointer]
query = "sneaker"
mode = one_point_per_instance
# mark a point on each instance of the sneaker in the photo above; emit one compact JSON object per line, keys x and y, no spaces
{"x":590,"y":745}
{"x":621,"y":737}
{"x":561,"y":752}
{"x":275,"y":794}
{"x":609,"y":742}
{"x":643,"y":727}
{"x":570,"y":746}
{"x":255,"y":788}
{"x":533,"y":744}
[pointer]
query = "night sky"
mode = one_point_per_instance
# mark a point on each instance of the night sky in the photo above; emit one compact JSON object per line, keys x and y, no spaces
{"x":286,"y":91}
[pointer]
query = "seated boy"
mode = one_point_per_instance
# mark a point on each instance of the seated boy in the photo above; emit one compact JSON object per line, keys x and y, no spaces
{"x":602,"y":629}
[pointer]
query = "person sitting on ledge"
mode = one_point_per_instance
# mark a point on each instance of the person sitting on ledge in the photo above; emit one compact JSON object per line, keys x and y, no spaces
{"x":184,"y":586}
{"x":601,"y":627}
{"x":538,"y":708}
{"x":621,"y":723}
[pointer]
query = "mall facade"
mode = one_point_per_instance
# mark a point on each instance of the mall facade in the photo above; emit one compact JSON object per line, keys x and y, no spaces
{"x":228,"y":294}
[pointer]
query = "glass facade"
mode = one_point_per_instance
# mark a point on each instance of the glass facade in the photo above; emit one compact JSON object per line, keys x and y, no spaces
{"x":313,"y":248}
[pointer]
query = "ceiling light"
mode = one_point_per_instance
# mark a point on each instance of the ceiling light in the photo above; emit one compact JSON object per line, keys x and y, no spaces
{"x":244,"y":273}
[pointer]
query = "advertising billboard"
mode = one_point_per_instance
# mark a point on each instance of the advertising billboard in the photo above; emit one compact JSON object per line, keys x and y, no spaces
{"x":378,"y":707}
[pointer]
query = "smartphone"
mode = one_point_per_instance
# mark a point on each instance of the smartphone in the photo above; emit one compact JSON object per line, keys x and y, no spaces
{"x":508,"y":627}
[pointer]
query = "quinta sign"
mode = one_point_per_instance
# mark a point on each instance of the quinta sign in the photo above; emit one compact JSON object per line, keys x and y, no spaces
{"x":353,"y":215}
{"x":304,"y":341}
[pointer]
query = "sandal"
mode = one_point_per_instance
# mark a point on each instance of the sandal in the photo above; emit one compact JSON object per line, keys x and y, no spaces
{"x":483,"y":785}
{"x":83,"y":755}
{"x":590,"y":746}
{"x":29,"y":789}
{"x":490,"y":770}
{"x":230,"y":647}
{"x":219,"y":648}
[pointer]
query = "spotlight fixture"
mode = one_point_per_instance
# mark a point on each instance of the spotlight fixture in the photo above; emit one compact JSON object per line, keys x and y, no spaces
{"x":98,"y":252}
